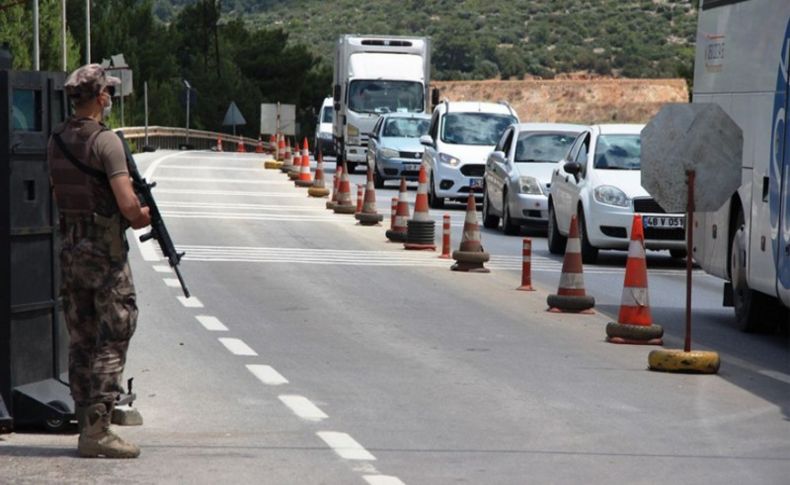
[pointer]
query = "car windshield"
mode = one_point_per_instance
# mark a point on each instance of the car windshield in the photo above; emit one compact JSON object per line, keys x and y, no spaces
{"x":618,"y":152}
{"x":386,"y":97}
{"x":406,"y":127}
{"x":329,"y":114}
{"x":474,"y":128}
{"x":542,"y":147}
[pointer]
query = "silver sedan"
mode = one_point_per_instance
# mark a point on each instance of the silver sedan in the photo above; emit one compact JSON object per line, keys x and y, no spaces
{"x":518,"y":174}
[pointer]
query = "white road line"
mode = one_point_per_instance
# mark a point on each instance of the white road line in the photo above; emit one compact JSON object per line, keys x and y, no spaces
{"x":227,"y":205}
{"x":345,"y":446}
{"x":237,"y":346}
{"x":303,"y":407}
{"x":290,"y":194}
{"x":382,"y":480}
{"x":226,"y":181}
{"x":212,"y":167}
{"x":267,"y":375}
{"x":162,"y":269}
{"x":172,"y":282}
{"x":211,"y":323}
{"x":191,"y":302}
{"x":779,"y":376}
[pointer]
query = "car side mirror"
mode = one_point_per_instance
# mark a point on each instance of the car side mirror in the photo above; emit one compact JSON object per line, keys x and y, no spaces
{"x":499,"y":157}
{"x":427,"y":141}
{"x":572,"y":168}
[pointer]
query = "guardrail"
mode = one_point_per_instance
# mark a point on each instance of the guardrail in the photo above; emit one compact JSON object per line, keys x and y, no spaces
{"x":165,"y":137}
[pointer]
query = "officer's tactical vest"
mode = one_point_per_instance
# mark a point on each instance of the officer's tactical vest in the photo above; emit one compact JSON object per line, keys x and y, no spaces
{"x":78,"y":192}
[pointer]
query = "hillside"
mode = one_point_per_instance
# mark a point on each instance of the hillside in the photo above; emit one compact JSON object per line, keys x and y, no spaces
{"x":475,"y":39}
{"x":574,"y":100}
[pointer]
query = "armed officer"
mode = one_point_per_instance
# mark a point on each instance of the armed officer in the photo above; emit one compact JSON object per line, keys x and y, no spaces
{"x":97,"y":204}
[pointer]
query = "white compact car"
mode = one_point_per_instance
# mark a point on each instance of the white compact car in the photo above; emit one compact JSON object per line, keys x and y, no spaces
{"x":518,"y":174}
{"x":600,"y":180}
{"x":460,"y":137}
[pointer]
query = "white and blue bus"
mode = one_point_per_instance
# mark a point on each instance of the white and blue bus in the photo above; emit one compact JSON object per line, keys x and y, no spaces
{"x":742,"y":59}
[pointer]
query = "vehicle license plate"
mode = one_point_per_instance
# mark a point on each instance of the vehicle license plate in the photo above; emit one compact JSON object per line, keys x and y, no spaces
{"x":412,"y":167}
{"x":476,"y":183}
{"x":662,"y":222}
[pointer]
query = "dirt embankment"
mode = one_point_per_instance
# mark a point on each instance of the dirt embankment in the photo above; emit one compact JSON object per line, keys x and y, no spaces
{"x":575,"y":101}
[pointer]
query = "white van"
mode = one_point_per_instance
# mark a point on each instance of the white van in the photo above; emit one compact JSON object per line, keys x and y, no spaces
{"x":323,"y":130}
{"x":460,"y":137}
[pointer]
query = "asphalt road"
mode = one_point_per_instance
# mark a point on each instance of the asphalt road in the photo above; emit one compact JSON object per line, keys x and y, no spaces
{"x":314,"y":351}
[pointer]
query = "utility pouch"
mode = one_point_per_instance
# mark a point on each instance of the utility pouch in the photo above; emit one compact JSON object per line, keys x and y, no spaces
{"x":113,"y":234}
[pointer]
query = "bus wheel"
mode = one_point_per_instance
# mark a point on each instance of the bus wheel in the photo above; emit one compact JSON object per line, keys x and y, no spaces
{"x":754,"y":311}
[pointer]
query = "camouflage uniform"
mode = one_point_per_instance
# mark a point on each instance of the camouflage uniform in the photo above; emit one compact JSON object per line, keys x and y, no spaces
{"x":98,"y":293}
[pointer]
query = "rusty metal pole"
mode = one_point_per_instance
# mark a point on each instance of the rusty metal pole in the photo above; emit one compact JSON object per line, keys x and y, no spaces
{"x":690,"y":175}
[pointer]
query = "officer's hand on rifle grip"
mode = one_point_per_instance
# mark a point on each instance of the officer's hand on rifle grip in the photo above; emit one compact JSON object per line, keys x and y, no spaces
{"x":143,"y":220}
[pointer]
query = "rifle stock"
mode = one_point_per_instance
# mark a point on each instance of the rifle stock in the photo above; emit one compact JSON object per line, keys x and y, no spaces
{"x":158,"y":229}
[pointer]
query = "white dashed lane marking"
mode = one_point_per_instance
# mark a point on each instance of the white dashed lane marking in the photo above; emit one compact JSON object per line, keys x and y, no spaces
{"x":211,"y":323}
{"x":172,"y":282}
{"x":345,"y":446}
{"x":382,"y":480}
{"x":223,"y":181}
{"x":303,"y":407}
{"x":267,"y":375}
{"x":191,"y":302}
{"x":237,"y":346}
{"x":162,"y":269}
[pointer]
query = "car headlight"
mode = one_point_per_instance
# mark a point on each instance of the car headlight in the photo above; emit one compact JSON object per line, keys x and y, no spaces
{"x":388,"y":153}
{"x":353,"y":130}
{"x":449,"y":159}
{"x":607,"y":194}
{"x":529,"y":185}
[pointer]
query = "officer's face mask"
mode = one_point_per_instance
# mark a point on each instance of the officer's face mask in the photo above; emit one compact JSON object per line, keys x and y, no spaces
{"x":106,"y":110}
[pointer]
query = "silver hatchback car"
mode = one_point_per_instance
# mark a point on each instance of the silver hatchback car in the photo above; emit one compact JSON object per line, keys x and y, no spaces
{"x":394,"y":148}
{"x":518,"y":174}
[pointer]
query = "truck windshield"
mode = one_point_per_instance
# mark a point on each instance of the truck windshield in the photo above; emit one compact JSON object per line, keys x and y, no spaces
{"x":474,"y":128}
{"x":406,"y":127}
{"x":618,"y":152}
{"x":385,"y":96}
{"x":542,"y":147}
{"x":329,"y":114}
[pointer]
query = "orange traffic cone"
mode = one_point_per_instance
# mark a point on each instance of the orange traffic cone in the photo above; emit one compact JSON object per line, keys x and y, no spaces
{"x":344,"y":205}
{"x":397,"y":232}
{"x":298,"y":160}
{"x":369,"y":216}
{"x":570,"y":297}
{"x":287,"y":158}
{"x":240,"y":147}
{"x":280,"y":147}
{"x":634,"y":323}
{"x":272,"y":143}
{"x":420,"y":228}
{"x":259,"y":146}
{"x":219,"y":143}
{"x":305,"y":178}
{"x":319,"y":187}
{"x":330,"y":204}
{"x":470,"y":255}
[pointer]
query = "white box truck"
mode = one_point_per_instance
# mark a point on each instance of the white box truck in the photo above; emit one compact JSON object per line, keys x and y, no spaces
{"x":742,"y":59}
{"x":374,"y":75}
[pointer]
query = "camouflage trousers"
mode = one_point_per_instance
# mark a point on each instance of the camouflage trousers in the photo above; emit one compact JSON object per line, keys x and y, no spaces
{"x":100,"y":307}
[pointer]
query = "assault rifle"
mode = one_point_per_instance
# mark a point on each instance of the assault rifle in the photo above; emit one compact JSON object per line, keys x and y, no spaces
{"x":158,"y":229}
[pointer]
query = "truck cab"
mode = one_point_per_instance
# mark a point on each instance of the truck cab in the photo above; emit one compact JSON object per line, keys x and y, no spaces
{"x":375,"y":75}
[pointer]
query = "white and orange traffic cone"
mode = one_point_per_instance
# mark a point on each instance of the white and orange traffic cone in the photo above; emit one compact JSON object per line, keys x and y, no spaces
{"x":634,"y":323}
{"x":240,"y":147}
{"x":470,"y":255}
{"x":420,"y":228}
{"x":219,"y":143}
{"x":369,"y":216}
{"x":288,"y":158}
{"x":305,"y":177}
{"x":259,"y":146}
{"x":280,"y":147}
{"x":571,"y":297}
{"x":298,"y":161}
{"x":330,"y":204}
{"x":397,"y":232}
{"x":393,"y":211}
{"x":319,"y":186}
{"x":344,"y":205}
